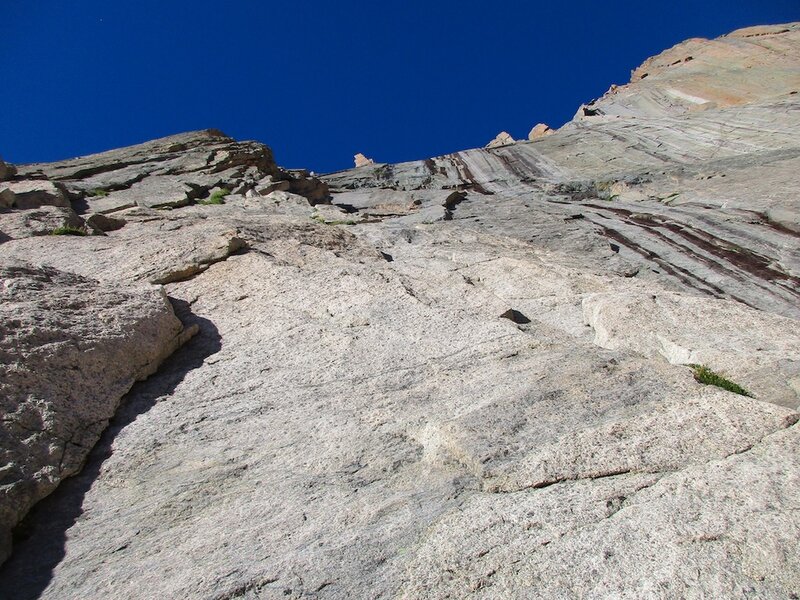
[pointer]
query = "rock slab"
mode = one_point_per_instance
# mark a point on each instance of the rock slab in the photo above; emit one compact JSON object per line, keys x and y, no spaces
{"x":70,"y":348}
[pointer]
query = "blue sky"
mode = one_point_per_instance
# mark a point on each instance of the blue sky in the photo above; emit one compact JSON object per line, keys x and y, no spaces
{"x":320,"y":81}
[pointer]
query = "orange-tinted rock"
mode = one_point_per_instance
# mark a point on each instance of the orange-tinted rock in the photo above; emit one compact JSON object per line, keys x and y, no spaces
{"x":501,"y":139}
{"x":540,"y":130}
{"x":749,"y":65}
{"x":362,"y":161}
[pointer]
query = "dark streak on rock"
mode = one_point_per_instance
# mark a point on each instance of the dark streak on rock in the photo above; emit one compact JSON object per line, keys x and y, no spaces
{"x":466,"y":175}
{"x":681,"y":275}
{"x":746,"y":260}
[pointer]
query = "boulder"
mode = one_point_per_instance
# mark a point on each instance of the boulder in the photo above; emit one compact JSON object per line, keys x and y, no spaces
{"x":71,"y":348}
{"x":314,"y":190}
{"x":297,"y":182}
{"x":104,"y":223}
{"x":270,"y":184}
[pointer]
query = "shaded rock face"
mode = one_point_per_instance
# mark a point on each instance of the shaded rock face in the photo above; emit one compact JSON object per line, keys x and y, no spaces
{"x":6,"y":171}
{"x":462,"y":377}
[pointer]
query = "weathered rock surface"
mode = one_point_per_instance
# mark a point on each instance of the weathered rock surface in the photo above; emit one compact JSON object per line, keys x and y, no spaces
{"x":32,"y":194}
{"x":6,"y":171}
{"x":540,"y":130}
{"x":703,"y":201}
{"x":464,"y":377}
{"x":70,"y":348}
{"x":101,"y":222}
{"x":763,"y":350}
{"x":168,"y":173}
{"x":501,"y":139}
{"x":747,"y":66}
{"x":710,"y":530}
{"x":362,"y":161}
{"x":300,"y":183}
{"x":16,"y":224}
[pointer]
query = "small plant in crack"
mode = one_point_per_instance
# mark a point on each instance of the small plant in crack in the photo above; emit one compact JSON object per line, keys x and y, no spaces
{"x":708,"y":377}
{"x":97,"y":193}
{"x":217,"y":197}
{"x":320,"y":219}
{"x":68,"y":230}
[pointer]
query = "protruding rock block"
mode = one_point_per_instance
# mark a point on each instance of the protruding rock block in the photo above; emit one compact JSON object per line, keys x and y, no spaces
{"x":71,"y":347}
{"x":17,"y":224}
{"x":7,"y":171}
{"x":33,"y":194}
{"x":362,"y":161}
{"x":540,"y":130}
{"x":501,"y":139}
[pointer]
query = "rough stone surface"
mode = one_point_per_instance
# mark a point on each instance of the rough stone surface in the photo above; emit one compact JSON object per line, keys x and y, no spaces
{"x":15,"y":224}
{"x":747,"y":66}
{"x":33,"y":194}
{"x":103,"y":223}
{"x":501,"y":139}
{"x":462,"y":377}
{"x":762,"y":350}
{"x":362,"y":161}
{"x":70,"y":348}
{"x":7,"y":171}
{"x":540,"y":130}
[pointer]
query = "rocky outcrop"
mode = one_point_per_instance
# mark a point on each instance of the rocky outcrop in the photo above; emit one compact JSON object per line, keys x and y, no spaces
{"x":168,"y":173}
{"x":6,"y":171}
{"x":746,"y":66}
{"x":697,"y":199}
{"x":33,"y":194}
{"x":70,"y":349}
{"x":540,"y":130}
{"x":300,"y":183}
{"x":501,"y":139}
{"x":46,"y":220}
{"x":362,"y":161}
{"x":470,"y":376}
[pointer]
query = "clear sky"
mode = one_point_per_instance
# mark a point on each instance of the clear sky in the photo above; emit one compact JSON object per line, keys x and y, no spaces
{"x":319,"y":81}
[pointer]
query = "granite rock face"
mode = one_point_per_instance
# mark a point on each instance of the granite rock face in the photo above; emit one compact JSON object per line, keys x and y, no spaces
{"x":71,"y":348}
{"x":463,"y":377}
{"x":750,"y":65}
{"x":42,"y":221}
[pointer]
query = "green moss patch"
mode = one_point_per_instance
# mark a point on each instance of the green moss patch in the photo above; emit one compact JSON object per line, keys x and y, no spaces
{"x":708,"y":377}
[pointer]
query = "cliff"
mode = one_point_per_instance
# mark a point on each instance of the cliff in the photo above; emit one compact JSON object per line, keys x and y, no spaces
{"x":563,"y":367}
